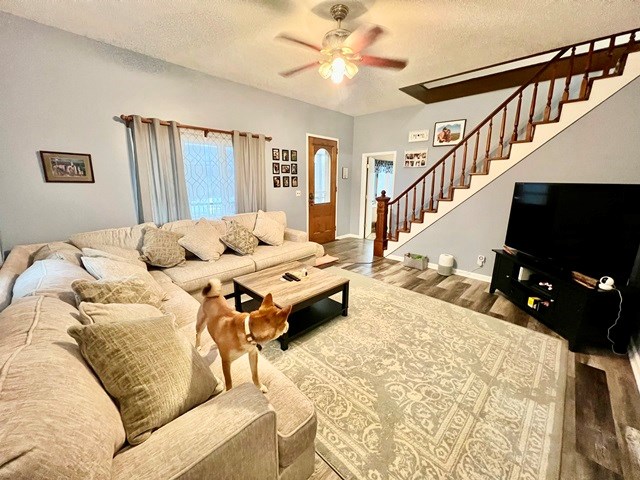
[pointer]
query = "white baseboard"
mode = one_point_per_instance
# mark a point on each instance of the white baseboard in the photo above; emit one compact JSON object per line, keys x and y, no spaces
{"x":348,"y":235}
{"x":462,"y":273}
{"x":634,"y":359}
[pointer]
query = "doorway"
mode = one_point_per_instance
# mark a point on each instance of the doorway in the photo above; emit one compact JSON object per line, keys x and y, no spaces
{"x":323,"y":167}
{"x":378,"y":173}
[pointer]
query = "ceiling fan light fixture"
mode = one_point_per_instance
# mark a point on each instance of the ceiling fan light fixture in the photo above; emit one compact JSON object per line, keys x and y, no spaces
{"x":325,"y":70}
{"x":338,"y":69}
{"x":350,"y":70}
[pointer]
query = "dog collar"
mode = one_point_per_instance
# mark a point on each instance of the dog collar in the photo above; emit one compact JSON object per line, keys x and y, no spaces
{"x":247,"y":333}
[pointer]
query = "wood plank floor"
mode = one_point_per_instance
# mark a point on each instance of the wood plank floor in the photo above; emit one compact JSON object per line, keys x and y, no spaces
{"x":601,"y":439}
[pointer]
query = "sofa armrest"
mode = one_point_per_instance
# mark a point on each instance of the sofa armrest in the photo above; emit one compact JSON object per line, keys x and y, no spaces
{"x":16,"y":262}
{"x":295,"y":235}
{"x":232,"y":436}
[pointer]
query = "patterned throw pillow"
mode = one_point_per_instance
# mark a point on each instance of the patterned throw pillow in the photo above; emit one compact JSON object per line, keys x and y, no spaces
{"x":239,"y":238}
{"x":203,"y":241}
{"x":132,"y":290}
{"x":160,"y":248}
{"x":268,"y":230}
{"x":115,"y":312}
{"x":152,"y":371}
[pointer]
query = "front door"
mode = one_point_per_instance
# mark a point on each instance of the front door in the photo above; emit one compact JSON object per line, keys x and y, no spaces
{"x":323,"y":166}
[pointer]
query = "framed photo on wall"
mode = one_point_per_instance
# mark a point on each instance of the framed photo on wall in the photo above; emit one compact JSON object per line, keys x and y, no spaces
{"x":285,"y":155}
{"x":285,"y":168}
{"x":285,"y":181}
{"x":65,"y":167}
{"x":294,"y":155}
{"x":415,"y":158}
{"x":276,"y":182}
{"x":294,"y":168}
{"x":276,"y":168}
{"x":275,"y":154}
{"x":294,"y":182}
{"x":448,"y":133}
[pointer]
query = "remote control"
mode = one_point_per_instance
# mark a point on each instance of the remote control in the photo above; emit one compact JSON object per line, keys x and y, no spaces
{"x":292,"y":276}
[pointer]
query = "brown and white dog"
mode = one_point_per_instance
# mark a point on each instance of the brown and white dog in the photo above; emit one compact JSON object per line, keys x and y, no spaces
{"x":237,"y":333}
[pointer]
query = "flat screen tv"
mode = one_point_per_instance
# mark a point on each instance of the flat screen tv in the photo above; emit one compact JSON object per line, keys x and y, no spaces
{"x":590,"y":228}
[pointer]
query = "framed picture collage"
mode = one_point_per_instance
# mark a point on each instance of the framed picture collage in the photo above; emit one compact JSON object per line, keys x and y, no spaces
{"x":284,"y":168}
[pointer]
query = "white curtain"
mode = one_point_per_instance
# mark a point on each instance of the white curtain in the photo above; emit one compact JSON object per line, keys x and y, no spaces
{"x":160,"y":182}
{"x":251,"y":188}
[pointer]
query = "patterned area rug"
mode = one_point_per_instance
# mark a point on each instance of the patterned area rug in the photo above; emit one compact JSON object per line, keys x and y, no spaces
{"x":410,"y":387}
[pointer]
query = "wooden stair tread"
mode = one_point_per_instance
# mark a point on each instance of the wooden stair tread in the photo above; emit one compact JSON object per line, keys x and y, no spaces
{"x":461,"y":186}
{"x":544,"y":122}
{"x":478,"y":173}
{"x":497,"y":158}
{"x":429,"y":210}
{"x":525,"y":140}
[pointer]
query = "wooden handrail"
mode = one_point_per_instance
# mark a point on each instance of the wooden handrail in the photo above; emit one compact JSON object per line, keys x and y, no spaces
{"x":128,"y":118}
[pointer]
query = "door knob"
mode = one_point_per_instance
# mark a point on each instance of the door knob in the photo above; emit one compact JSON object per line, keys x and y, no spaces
{"x":311,"y":203}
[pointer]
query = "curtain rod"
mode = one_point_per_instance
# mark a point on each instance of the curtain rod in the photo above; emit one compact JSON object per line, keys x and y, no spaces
{"x":129,"y":118}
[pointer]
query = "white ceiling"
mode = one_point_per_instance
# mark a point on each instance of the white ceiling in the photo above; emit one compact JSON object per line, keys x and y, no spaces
{"x":234,"y":39}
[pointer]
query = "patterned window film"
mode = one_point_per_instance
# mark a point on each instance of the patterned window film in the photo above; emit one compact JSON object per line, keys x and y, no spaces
{"x":209,"y":173}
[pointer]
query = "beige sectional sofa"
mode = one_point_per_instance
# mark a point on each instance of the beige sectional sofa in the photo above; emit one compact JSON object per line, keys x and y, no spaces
{"x":57,"y":421}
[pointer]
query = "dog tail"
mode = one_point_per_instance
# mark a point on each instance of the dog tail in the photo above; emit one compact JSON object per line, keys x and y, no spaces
{"x":213,"y":288}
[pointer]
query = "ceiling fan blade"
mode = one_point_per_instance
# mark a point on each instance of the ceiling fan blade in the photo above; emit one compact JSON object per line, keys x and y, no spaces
{"x":372,"y":61}
{"x":284,"y":36}
{"x":362,"y":37}
{"x":288,"y":73}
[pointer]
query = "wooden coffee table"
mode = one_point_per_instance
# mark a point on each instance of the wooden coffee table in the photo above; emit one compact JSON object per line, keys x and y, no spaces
{"x":309,"y":297}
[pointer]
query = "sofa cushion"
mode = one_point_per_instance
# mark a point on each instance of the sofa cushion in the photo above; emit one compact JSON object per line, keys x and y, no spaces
{"x":58,"y":251}
{"x":267,"y":256}
{"x":132,"y":290}
{"x":107,"y":269}
{"x":195,"y":274}
{"x":116,"y":253}
{"x":268,"y":230}
{"x":126,"y":237}
{"x":115,"y":312}
{"x":50,"y":278}
{"x":180,"y":226}
{"x":56,"y":420}
{"x":160,"y":248}
{"x":239,"y":239}
{"x":203,"y":241}
{"x":247,"y":220}
{"x":152,"y":371}
{"x":295,"y":413}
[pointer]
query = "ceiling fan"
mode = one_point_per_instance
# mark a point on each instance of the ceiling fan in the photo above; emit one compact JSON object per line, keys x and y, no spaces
{"x":342,"y":50}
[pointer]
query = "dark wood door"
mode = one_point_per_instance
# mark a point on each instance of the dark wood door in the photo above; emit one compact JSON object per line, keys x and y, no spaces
{"x":323,"y":166}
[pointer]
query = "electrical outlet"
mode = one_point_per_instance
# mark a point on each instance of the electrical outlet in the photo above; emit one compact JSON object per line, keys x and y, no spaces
{"x":481,"y":260}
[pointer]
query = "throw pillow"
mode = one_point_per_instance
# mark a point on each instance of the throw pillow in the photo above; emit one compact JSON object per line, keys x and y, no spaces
{"x":152,"y":371}
{"x":268,"y":230}
{"x":116,"y":253}
{"x":107,"y":269}
{"x":203,"y":241}
{"x":160,"y":248}
{"x":58,"y":251}
{"x":132,"y":290}
{"x":115,"y":312}
{"x":239,"y":239}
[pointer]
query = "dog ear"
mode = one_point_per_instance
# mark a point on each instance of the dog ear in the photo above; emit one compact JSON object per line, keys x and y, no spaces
{"x":268,"y":301}
{"x":286,"y":311}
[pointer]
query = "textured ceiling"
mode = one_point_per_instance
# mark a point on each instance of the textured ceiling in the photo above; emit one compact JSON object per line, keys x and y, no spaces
{"x":234,"y":39}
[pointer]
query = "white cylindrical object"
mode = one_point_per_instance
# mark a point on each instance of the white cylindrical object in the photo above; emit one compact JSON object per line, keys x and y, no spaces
{"x":445,"y":264}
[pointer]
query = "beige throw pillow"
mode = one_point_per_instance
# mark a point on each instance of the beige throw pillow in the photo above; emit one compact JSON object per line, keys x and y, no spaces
{"x":58,"y":251}
{"x":203,"y":241}
{"x":115,"y":253}
{"x":268,"y":230}
{"x":152,"y":371}
{"x":108,"y":269}
{"x":115,"y":312}
{"x":160,"y":248}
{"x":132,"y":290}
{"x":239,"y":239}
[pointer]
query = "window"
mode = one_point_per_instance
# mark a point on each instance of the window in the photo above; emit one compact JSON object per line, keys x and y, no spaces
{"x":209,"y":173}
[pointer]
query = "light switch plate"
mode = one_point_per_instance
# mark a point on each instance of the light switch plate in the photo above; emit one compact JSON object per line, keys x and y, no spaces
{"x":298,"y":193}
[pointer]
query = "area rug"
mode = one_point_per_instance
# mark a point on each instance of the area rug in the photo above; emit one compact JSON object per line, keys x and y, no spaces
{"x":410,"y":387}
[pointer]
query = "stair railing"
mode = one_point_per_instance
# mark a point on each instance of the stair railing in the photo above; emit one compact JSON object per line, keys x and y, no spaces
{"x":469,"y":158}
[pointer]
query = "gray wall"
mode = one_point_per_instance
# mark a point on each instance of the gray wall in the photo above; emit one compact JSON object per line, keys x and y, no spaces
{"x":61,"y":92}
{"x":582,"y":153}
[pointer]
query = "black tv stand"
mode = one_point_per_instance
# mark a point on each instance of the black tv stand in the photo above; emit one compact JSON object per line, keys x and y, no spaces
{"x":580,"y":314}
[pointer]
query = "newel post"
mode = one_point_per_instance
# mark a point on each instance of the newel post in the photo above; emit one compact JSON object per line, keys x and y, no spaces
{"x":380,"y":243}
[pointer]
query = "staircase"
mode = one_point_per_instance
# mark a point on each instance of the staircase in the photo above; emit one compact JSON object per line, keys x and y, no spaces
{"x":577,"y":79}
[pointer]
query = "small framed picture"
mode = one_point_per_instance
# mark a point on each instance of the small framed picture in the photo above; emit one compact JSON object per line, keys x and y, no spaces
{"x":65,"y":167}
{"x":276,"y":182}
{"x":418,"y":136}
{"x":294,"y":168}
{"x":448,"y":133}
{"x":275,"y":154}
{"x":285,"y":181}
{"x":294,"y":155}
{"x":286,"y":168}
{"x":294,"y":182}
{"x":285,"y":155}
{"x":276,"y":168}
{"x":415,"y":158}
